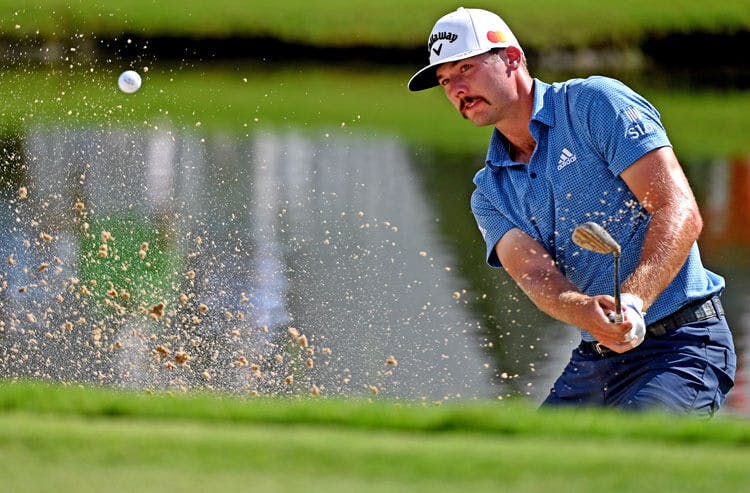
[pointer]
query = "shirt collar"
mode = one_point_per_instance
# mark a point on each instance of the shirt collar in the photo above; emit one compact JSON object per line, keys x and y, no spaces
{"x":542,"y":112}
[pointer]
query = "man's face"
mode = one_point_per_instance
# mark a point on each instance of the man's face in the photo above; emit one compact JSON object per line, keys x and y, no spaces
{"x":478,"y":87}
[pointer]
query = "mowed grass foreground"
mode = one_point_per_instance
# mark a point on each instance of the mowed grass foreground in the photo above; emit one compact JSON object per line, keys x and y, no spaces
{"x":68,"y":438}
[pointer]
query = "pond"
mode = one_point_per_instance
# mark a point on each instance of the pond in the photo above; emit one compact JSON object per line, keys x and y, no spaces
{"x":285,"y":263}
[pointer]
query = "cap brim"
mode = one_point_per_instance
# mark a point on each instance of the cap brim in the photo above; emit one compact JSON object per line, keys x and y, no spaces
{"x":426,"y":77}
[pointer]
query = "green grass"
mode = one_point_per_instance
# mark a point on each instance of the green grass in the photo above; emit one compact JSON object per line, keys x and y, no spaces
{"x":538,"y":24}
{"x":86,"y":439}
{"x":333,"y":101}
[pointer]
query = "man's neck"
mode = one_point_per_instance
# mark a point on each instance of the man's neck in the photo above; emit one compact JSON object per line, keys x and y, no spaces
{"x":521,"y":154}
{"x":521,"y":143}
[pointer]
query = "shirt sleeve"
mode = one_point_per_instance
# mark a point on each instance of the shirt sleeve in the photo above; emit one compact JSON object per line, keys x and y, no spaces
{"x":622,"y":125}
{"x":492,"y":224}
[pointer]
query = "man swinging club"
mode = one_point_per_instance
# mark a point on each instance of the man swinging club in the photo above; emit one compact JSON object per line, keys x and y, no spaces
{"x":589,"y":150}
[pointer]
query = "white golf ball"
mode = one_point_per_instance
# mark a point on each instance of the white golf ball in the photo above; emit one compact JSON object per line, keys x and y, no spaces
{"x":129,"y":81}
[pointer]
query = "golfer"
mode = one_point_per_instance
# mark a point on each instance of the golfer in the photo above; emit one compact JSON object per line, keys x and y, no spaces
{"x":589,"y":150}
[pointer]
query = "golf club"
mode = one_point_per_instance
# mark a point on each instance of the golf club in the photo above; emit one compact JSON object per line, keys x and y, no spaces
{"x":595,"y":238}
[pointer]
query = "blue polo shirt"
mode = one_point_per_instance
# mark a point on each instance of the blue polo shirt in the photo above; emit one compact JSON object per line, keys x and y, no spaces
{"x":588,"y":131}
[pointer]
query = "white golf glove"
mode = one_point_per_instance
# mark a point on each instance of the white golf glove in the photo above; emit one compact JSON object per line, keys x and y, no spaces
{"x":635,"y":315}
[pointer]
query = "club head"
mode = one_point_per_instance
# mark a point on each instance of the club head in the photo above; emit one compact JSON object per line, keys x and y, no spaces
{"x":595,"y":238}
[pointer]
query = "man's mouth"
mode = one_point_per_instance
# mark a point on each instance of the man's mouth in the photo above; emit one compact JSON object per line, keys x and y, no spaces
{"x":470,"y":102}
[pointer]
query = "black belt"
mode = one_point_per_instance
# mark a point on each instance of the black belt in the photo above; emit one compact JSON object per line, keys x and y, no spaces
{"x":700,"y":310}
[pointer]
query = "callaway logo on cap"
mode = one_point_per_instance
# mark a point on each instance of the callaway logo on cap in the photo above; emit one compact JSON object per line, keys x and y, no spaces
{"x":462,"y":34}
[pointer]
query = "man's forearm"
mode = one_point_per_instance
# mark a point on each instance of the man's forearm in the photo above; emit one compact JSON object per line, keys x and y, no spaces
{"x":553,"y":294}
{"x":670,"y":236}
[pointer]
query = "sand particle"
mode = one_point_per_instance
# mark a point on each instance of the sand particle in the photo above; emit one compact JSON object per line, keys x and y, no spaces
{"x":181,"y":357}
{"x":157,"y":311}
{"x":162,"y":351}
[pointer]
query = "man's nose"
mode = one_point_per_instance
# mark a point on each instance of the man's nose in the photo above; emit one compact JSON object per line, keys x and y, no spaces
{"x":457,"y":86}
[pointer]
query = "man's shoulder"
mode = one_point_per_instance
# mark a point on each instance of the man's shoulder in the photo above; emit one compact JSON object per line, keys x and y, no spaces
{"x":579,"y":96}
{"x":591,"y":87}
{"x":592,"y":94}
{"x":591,"y":83}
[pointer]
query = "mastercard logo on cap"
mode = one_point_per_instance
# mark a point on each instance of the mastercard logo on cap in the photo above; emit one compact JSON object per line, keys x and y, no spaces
{"x":496,"y":36}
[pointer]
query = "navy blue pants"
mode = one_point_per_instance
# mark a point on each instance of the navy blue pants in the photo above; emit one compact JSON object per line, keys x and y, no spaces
{"x":688,"y":370}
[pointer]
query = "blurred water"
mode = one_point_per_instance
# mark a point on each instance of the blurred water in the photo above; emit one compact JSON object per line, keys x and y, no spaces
{"x":238,"y":240}
{"x":248,"y":244}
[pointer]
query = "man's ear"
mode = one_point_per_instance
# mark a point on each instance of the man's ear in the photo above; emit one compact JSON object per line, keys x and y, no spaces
{"x":514,"y":56}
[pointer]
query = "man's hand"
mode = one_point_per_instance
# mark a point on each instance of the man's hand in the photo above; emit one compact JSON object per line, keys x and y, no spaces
{"x":628,"y":334}
{"x":633,"y":306}
{"x":597,"y":315}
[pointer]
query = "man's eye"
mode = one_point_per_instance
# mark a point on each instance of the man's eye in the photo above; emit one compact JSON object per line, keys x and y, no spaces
{"x":464,"y":68}
{"x":444,"y":82}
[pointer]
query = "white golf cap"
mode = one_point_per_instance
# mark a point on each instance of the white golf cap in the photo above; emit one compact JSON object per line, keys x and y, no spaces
{"x":462,"y":34}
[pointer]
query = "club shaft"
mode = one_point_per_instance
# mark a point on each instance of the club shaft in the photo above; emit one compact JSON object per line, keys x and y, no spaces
{"x":618,"y":301}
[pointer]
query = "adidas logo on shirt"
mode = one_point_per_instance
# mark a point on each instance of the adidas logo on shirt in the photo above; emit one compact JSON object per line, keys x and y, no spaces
{"x":566,"y":157}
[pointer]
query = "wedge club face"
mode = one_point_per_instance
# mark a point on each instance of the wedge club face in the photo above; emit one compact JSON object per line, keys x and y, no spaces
{"x":595,"y":238}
